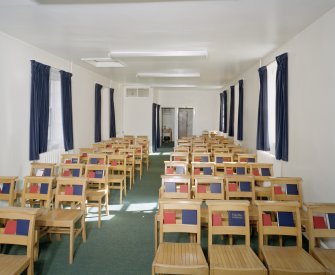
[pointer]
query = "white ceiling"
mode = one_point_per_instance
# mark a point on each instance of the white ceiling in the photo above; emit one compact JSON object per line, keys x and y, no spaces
{"x":236,"y":33}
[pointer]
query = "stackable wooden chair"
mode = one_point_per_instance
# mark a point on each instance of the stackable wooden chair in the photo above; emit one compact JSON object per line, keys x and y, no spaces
{"x":70,"y":158}
{"x":262,"y":173}
{"x":283,"y":219}
{"x":176,"y":168}
{"x":97,"y":192}
{"x":97,"y":159}
{"x":201,"y":157}
{"x":202,"y":169}
{"x":235,"y":168}
{"x":19,"y":230}
{"x":145,"y":150}
{"x":42,"y":169}
{"x":7,"y":187}
{"x":179,"y":156}
{"x":231,"y":218}
{"x":240,"y":187}
{"x":117,"y":174}
{"x":321,"y":218}
{"x":69,"y":191}
{"x":37,"y":191}
{"x":71,"y":170}
{"x":250,"y":158}
{"x":209,"y":188}
{"x":180,"y":258}
{"x":83,"y":152}
{"x":220,"y":159}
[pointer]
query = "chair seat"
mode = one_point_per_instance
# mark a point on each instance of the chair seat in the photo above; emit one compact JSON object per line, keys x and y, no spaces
{"x":95,"y":194}
{"x":116,"y":178}
{"x":291,"y":259}
{"x":60,"y":217}
{"x":13,"y":264}
{"x":235,"y":259}
{"x":326,"y":257}
{"x":180,"y":258}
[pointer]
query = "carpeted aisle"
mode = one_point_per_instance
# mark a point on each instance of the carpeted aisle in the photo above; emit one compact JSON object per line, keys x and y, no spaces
{"x":123,"y":245}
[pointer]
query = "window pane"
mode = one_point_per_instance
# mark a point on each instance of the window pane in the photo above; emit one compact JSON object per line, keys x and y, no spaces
{"x":272,"y":70}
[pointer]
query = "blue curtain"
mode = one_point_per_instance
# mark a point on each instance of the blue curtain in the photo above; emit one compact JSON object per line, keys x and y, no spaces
{"x":262,"y":124}
{"x":158,"y":142}
{"x":112,"y":128}
{"x":66,"y":92}
{"x":39,"y":109}
{"x":232,"y":111}
{"x":221,"y":112}
{"x":225,"y":111}
{"x":97,"y":117}
{"x":154,"y":131}
{"x":282,"y":108}
{"x":240,"y":111}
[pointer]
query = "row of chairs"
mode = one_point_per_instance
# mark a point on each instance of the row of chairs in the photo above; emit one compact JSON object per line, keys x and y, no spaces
{"x":231,"y":218}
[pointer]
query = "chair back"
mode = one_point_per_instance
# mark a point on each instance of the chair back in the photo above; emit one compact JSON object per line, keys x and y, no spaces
{"x":261,"y":171}
{"x":70,"y":158}
{"x":176,"y":168}
{"x":176,"y":187}
{"x":97,"y":159}
{"x":117,"y":164}
{"x":19,"y":229}
{"x":71,"y":170}
{"x":70,"y":190}
{"x":240,"y":186}
{"x":203,"y":169}
{"x":179,"y":156}
{"x":209,"y":188}
{"x":181,"y":216}
{"x":279,"y":218}
{"x":220,"y":158}
{"x":235,"y":168}
{"x":96,"y":174}
{"x":201,"y":157}
{"x":7,"y":189}
{"x":228,"y":218}
{"x":38,"y":189}
{"x":83,"y":152}
{"x":286,"y":189}
{"x":42,"y":169}
{"x":321,"y":222}
{"x":247,"y":158}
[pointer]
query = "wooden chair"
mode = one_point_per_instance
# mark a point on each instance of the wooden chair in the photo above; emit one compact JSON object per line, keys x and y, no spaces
{"x":175,"y":187}
{"x":286,"y":189}
{"x":97,"y":192}
{"x":130,"y":161}
{"x":179,"y":156}
{"x":71,"y":170}
{"x":240,"y":186}
{"x":83,"y":152}
{"x":201,"y":157}
{"x":145,"y":151}
{"x":117,"y":174}
{"x":97,"y":159}
{"x":321,"y":225}
{"x":235,"y":168}
{"x":250,"y":158}
{"x":70,"y":158}
{"x":63,"y":221}
{"x":283,"y":260}
{"x":108,"y":151}
{"x":182,"y":149}
{"x":180,"y":258}
{"x":231,"y":218}
{"x":219,"y":160}
{"x":98,"y":146}
{"x":202,"y":169}
{"x":37,"y":191}
{"x":42,"y":169}
{"x":262,"y":173}
{"x":138,"y":158}
{"x":209,"y":188}
{"x":176,"y":168}
{"x":7,"y":189}
{"x":19,"y":230}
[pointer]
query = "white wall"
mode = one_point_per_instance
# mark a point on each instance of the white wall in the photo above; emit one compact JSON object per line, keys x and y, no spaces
{"x":15,"y":77}
{"x":206,"y":104}
{"x":311,"y":65}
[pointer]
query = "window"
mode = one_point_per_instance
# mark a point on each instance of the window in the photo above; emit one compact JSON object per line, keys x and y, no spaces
{"x":55,"y":131}
{"x":272,"y":71}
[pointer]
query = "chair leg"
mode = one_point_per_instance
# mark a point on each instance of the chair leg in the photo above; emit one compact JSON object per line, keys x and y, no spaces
{"x":71,"y":244}
{"x":121,"y":194}
{"x":83,"y":229}
{"x":124,"y":184}
{"x":99,"y":213}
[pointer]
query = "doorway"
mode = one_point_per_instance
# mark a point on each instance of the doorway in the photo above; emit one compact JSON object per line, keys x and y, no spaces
{"x":168,"y":123}
{"x":185,"y":122}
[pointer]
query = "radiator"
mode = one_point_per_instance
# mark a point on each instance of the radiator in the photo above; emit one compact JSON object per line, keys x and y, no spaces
{"x":51,"y":156}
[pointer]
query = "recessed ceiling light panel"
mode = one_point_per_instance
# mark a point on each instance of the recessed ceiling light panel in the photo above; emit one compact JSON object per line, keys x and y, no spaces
{"x":162,"y":75}
{"x":190,"y":53}
{"x":104,"y":62}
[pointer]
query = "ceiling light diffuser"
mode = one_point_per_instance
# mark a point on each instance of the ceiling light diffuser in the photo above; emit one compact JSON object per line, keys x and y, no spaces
{"x":172,"y":86}
{"x":104,"y":62}
{"x":168,"y":75}
{"x":158,"y":53}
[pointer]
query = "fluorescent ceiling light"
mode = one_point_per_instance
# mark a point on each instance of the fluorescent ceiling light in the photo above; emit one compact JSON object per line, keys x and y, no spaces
{"x":168,"y":75}
{"x":104,"y":62}
{"x":210,"y":87}
{"x":172,"y":86}
{"x":158,"y":53}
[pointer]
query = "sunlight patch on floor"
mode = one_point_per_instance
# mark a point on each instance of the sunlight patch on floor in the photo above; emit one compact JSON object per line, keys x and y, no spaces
{"x":136,"y":207}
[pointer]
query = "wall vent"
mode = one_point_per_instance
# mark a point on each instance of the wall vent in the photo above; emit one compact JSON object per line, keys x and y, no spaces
{"x":137,"y":92}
